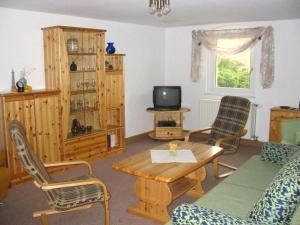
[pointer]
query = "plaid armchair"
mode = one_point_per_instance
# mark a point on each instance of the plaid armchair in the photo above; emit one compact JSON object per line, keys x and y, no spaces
{"x":228,"y":127}
{"x":79,"y":193}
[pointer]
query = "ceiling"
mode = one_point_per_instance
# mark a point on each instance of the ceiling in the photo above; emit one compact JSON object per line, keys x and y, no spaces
{"x":184,"y":12}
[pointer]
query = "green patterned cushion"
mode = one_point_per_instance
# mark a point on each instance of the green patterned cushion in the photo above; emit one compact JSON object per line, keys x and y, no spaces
{"x":189,"y":214}
{"x":278,"y":153}
{"x":280,"y":200}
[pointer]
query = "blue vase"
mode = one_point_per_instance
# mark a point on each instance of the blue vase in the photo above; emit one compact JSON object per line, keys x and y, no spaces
{"x":73,"y":66}
{"x":110,"y":49}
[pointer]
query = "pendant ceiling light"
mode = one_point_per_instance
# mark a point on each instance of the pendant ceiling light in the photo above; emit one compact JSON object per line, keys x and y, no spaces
{"x":159,"y":7}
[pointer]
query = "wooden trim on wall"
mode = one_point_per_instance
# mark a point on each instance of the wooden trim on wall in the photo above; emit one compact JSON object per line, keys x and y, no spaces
{"x":251,"y":143}
{"x":139,"y":137}
{"x":243,"y":141}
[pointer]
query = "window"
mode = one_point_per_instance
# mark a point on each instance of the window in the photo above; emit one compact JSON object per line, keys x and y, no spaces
{"x":230,"y":74}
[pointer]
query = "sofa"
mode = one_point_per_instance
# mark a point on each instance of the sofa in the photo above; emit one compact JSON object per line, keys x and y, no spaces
{"x":264,"y":190}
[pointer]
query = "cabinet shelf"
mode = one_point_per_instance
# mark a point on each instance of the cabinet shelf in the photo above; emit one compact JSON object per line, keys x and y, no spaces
{"x":113,"y":72}
{"x":81,"y":92}
{"x":113,"y":108}
{"x":181,"y":186}
{"x":83,"y":53}
{"x":84,"y":111}
{"x":168,"y":133}
{"x":83,"y":71}
{"x":157,"y":127}
{"x":113,"y":127}
{"x":81,"y":134}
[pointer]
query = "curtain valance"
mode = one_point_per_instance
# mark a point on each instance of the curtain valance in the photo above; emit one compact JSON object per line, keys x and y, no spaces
{"x":250,"y":36}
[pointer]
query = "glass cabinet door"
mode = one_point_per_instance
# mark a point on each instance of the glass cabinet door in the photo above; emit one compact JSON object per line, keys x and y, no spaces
{"x":84,"y":78}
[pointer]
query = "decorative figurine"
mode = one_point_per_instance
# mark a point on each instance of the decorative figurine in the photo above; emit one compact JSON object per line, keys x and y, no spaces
{"x":13,"y":81}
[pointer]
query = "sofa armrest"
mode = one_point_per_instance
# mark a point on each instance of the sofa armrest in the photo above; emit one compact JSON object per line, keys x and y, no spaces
{"x":278,"y":153}
{"x":189,"y":214}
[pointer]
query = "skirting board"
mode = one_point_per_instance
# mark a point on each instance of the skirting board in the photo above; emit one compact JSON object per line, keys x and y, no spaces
{"x":243,"y":141}
{"x":136,"y":138}
{"x":139,"y":137}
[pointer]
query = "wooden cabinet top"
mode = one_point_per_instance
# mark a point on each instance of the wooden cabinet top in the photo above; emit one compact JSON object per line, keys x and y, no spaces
{"x":32,"y":93}
{"x":75,"y":28}
{"x":172,"y":110}
{"x":285,"y":110}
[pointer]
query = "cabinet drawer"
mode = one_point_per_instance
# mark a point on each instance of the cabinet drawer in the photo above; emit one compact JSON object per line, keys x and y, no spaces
{"x":168,"y":132}
{"x":85,"y":147}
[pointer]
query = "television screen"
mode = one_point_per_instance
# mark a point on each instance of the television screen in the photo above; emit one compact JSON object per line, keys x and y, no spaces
{"x":167,"y":97}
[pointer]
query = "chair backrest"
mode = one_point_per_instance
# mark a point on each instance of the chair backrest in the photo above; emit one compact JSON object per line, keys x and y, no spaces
{"x":231,"y":120}
{"x":31,"y":163}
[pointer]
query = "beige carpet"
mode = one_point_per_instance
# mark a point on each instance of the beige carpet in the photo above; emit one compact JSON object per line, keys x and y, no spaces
{"x":25,"y":198}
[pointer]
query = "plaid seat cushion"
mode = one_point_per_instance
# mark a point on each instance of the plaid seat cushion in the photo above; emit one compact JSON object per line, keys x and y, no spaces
{"x":70,"y":197}
{"x":231,"y":120}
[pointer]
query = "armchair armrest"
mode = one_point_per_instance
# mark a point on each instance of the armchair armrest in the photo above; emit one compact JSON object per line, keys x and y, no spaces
{"x":190,"y":214}
{"x":70,"y":163}
{"x":187,"y":136}
{"x":73,"y":183}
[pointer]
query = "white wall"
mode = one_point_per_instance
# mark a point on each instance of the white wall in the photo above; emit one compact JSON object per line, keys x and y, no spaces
{"x":149,"y":61}
{"x":21,"y":46}
{"x":285,"y":89}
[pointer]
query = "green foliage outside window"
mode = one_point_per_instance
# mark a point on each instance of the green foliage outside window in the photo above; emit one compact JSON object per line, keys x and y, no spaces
{"x":232,"y":73}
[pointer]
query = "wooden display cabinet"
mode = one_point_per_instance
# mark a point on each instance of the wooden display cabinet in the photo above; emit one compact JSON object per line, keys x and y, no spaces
{"x":92,"y":99}
{"x":114,"y":83}
{"x":38,"y":111}
{"x":277,"y":115}
{"x":168,"y":132}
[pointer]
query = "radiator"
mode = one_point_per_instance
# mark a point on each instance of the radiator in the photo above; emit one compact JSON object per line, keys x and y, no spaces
{"x":208,"y":109}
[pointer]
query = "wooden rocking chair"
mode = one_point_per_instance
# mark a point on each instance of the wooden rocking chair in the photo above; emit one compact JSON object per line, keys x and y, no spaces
{"x":75,"y":194}
{"x":227,"y":129}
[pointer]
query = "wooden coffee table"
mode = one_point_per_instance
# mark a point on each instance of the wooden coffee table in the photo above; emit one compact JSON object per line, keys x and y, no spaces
{"x":158,"y":184}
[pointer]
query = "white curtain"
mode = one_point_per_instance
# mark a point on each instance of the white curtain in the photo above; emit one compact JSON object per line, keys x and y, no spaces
{"x":209,"y":38}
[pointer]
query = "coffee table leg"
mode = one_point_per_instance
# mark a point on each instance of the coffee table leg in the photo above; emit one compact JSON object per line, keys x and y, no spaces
{"x":154,"y":198}
{"x":216,"y":167}
{"x":199,"y":175}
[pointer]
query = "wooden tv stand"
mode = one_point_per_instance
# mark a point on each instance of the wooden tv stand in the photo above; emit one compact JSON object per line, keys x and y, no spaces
{"x":168,"y":132}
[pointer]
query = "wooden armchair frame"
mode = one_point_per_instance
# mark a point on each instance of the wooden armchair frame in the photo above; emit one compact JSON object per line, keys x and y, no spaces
{"x":218,"y":143}
{"x":49,"y":186}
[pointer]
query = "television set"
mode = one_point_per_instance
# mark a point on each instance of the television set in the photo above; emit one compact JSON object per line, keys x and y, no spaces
{"x":167,"y":97}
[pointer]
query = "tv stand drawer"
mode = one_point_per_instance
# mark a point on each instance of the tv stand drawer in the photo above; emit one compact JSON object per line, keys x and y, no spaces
{"x":168,"y":132}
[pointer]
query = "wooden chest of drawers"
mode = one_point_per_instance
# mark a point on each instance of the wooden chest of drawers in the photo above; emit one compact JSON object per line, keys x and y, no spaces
{"x":276,"y":117}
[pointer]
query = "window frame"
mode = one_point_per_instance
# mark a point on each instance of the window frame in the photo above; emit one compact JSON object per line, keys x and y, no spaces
{"x":211,"y":76}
